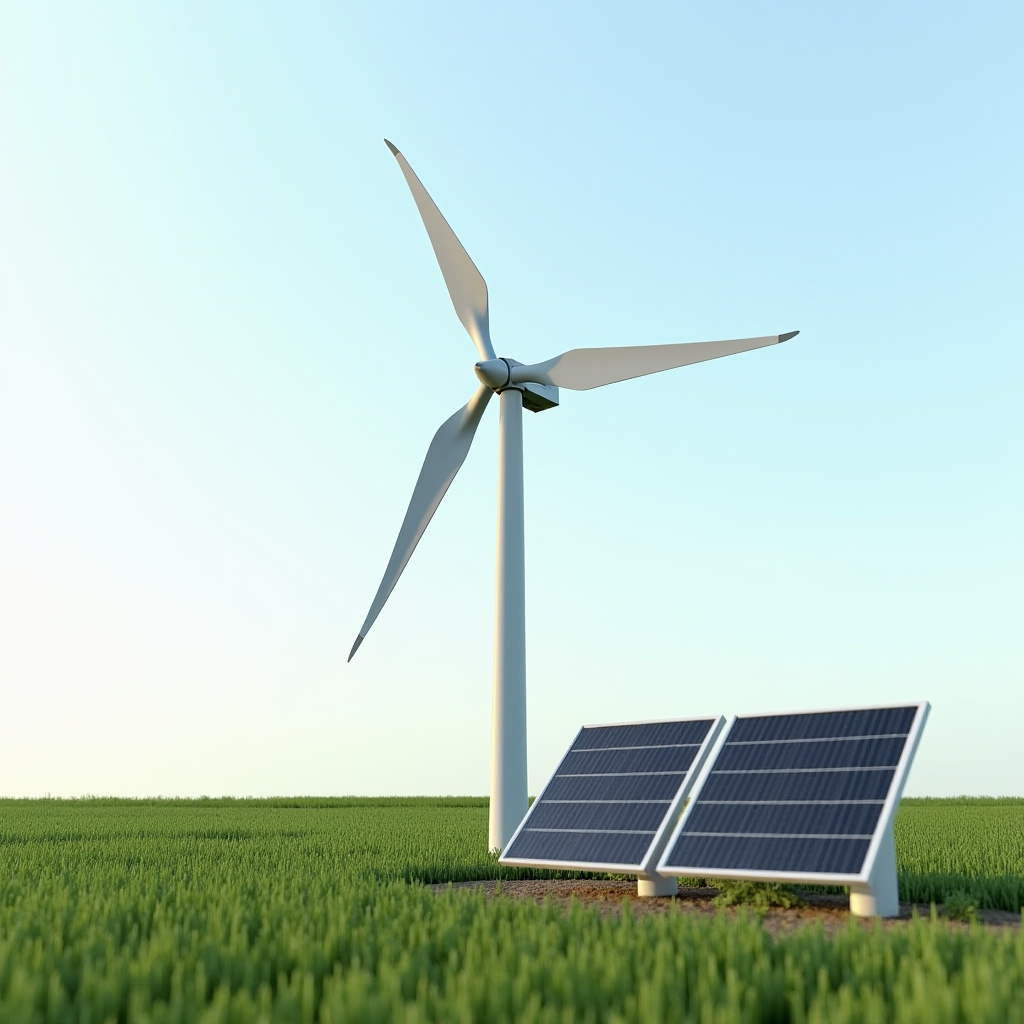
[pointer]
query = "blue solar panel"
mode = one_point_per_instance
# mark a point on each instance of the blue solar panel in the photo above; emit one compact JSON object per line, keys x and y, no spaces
{"x":581,"y":848}
{"x":641,"y":734}
{"x":611,"y":795}
{"x":599,"y":815}
{"x":828,"y":818}
{"x":613,"y":787}
{"x":807,"y":755}
{"x":629,"y":760}
{"x":825,"y":724}
{"x":806,"y":855}
{"x":798,"y":794}
{"x":871,"y":784}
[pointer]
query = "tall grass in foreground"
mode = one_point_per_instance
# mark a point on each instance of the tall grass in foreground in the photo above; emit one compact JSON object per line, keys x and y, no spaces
{"x":307,"y":951}
{"x":298,"y":912}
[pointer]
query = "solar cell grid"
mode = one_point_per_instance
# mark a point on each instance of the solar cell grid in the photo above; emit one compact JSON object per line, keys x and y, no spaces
{"x":798,"y":793}
{"x":837,"y":784}
{"x":761,"y":853}
{"x":612,"y":787}
{"x":610,"y":796}
{"x":811,"y":754}
{"x":786,"y":819}
{"x":628,"y":760}
{"x":613,"y":848}
{"x":641,"y":734}
{"x":599,"y":815}
{"x":824,"y":724}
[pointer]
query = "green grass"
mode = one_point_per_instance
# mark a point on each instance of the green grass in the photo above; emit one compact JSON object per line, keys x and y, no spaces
{"x":969,"y":844}
{"x":311,"y":910}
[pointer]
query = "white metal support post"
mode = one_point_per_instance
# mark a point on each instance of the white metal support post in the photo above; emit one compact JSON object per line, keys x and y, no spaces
{"x":509,"y":797}
{"x":657,"y":885}
{"x":880,"y":897}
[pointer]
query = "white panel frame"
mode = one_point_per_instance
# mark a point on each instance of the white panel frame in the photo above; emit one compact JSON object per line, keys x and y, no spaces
{"x":657,"y":846}
{"x":883,"y":827}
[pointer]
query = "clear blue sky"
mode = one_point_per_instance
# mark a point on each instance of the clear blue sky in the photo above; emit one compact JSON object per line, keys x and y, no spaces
{"x":225,"y":345}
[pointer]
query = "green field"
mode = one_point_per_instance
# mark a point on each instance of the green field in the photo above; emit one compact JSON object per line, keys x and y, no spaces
{"x":314,"y":910}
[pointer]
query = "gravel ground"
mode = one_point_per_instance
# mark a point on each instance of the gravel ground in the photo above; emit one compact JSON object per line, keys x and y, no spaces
{"x":832,"y":911}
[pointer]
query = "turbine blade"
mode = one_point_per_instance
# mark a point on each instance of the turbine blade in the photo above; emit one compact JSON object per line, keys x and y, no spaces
{"x":465,"y":283}
{"x":445,"y":457}
{"x":584,"y":368}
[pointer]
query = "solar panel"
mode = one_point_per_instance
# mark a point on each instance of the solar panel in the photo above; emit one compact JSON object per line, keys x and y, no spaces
{"x":611,"y":800}
{"x":807,"y":797}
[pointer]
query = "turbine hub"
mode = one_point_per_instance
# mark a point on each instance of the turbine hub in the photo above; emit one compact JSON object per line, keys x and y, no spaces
{"x":496,"y":374}
{"x":493,"y":373}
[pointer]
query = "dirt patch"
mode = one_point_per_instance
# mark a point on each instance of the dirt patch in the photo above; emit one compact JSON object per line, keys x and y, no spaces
{"x":833,"y":912}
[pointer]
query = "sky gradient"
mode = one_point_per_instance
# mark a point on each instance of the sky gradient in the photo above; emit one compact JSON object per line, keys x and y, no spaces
{"x":225,"y":345}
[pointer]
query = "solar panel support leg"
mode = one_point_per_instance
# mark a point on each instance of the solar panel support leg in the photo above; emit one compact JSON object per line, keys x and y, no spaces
{"x":880,"y":897}
{"x":657,"y":885}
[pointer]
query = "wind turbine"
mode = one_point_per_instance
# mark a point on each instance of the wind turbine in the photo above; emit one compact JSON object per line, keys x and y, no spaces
{"x":533,"y":387}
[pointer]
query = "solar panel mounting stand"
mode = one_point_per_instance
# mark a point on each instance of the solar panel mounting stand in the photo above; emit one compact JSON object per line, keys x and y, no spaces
{"x":880,"y":895}
{"x":657,"y":885}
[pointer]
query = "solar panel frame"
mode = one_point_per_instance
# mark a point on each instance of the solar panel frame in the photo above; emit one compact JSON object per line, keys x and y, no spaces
{"x":653,"y":851}
{"x":882,"y":827}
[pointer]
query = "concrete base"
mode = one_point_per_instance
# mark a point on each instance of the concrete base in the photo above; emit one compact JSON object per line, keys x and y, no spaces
{"x":880,"y":897}
{"x":657,"y":885}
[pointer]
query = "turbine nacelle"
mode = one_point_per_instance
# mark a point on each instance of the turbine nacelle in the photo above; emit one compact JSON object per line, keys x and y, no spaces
{"x":501,"y":374}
